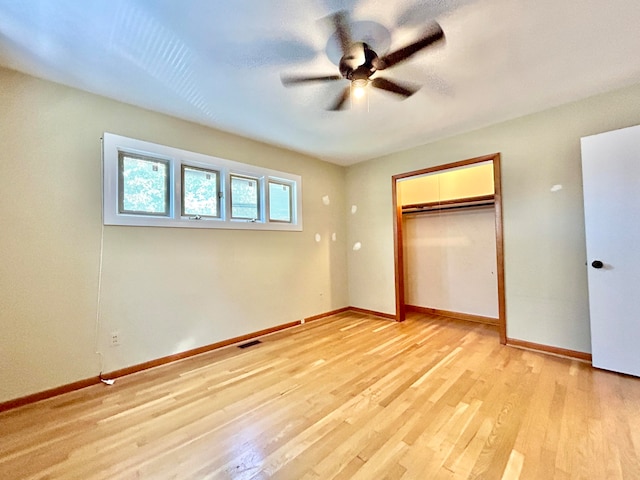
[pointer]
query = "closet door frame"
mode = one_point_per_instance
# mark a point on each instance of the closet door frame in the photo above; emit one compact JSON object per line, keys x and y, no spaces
{"x":398,"y":245}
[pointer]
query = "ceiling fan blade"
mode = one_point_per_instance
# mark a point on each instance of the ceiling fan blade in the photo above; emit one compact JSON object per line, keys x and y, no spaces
{"x":288,"y":80}
{"x":434,"y":34}
{"x":393,"y":87}
{"x":341,"y":23}
{"x":340,"y":103}
{"x":421,"y":12}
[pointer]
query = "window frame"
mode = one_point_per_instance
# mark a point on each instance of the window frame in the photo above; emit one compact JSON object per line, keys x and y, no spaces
{"x":167,"y":195}
{"x":275,"y":181}
{"x":113,"y":145}
{"x":259,"y":193}
{"x":183,"y":213}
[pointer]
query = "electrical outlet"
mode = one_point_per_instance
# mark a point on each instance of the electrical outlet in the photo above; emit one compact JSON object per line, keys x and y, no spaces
{"x":115,"y":338}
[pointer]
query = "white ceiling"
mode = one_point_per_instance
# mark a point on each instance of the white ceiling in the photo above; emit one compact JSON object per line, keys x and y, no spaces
{"x":219,"y":63}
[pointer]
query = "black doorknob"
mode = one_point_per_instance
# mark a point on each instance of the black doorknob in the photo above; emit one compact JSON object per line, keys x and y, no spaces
{"x":597,"y":264}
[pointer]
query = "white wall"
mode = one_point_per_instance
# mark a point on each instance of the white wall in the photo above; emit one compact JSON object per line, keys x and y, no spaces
{"x":545,"y":272}
{"x":166,"y":290}
{"x":450,"y":261}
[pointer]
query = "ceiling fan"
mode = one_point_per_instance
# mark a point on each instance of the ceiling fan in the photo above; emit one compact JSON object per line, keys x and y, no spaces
{"x":359,"y":63}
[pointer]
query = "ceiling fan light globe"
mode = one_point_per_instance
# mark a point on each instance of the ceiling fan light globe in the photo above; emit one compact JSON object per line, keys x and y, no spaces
{"x":359,"y":83}
{"x":358,"y":87}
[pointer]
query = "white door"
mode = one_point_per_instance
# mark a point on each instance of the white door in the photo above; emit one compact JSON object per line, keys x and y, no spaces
{"x":611,"y":178}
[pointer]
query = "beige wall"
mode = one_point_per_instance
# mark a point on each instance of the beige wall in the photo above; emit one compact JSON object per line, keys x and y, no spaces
{"x":546,"y":287}
{"x":165,"y":289}
{"x":168,"y":290}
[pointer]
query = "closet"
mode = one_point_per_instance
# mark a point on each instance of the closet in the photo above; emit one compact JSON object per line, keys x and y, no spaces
{"x":449,"y":243}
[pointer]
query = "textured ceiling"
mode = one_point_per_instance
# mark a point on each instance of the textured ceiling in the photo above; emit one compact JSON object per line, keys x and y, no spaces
{"x":219,"y":63}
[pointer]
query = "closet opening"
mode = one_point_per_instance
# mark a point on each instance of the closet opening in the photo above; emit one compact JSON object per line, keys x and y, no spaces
{"x":448,"y":242}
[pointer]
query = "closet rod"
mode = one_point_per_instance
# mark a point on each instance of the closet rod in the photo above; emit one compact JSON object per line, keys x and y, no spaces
{"x":458,"y":203}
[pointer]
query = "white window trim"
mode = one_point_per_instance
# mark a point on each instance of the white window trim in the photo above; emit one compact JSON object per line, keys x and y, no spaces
{"x":113,"y":144}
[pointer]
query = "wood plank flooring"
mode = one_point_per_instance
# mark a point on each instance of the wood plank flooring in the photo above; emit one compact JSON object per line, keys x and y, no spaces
{"x":348,"y":397}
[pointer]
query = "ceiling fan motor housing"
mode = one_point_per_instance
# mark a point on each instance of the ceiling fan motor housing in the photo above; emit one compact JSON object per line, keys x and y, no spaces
{"x":350,"y":66}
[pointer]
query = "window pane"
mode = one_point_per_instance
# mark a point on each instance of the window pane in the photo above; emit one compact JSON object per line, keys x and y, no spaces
{"x":244,"y":198}
{"x":199,"y":192}
{"x":144,"y":185}
{"x":279,"y":202}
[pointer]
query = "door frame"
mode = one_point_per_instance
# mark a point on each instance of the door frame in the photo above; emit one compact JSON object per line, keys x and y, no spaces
{"x":398,"y":245}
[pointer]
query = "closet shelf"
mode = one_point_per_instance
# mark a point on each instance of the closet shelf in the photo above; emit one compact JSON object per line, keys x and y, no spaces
{"x":458,"y":203}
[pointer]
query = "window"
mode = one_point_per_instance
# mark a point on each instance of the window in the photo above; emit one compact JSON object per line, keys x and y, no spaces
{"x":279,"y":201}
{"x":147,"y":184}
{"x":200,"y":192}
{"x":245,"y":198}
{"x":143,"y":185}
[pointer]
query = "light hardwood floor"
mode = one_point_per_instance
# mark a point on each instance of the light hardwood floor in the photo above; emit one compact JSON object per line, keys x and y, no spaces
{"x":349,"y":397}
